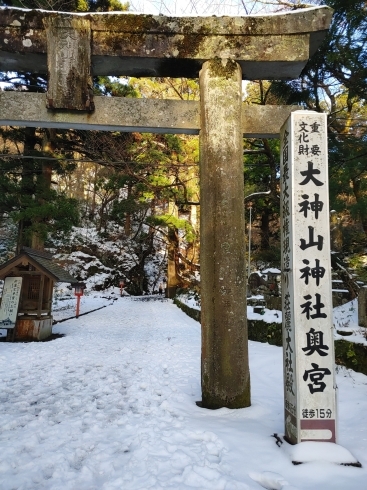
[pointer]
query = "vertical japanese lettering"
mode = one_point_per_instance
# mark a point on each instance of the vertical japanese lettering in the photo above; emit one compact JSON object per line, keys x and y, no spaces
{"x":307,"y":310}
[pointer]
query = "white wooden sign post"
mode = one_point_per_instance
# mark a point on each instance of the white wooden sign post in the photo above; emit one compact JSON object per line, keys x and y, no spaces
{"x":10,"y":302}
{"x":308,"y":344}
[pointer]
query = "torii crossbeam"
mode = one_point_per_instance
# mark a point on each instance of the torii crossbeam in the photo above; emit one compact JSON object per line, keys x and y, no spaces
{"x":221,"y":51}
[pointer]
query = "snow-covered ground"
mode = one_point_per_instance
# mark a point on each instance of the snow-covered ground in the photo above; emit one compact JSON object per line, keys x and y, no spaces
{"x":111,"y":405}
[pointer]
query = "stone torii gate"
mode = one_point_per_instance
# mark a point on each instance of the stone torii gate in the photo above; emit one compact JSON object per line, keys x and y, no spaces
{"x":222,"y":51}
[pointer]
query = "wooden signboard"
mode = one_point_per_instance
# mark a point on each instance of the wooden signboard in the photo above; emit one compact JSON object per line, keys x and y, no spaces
{"x":10,"y":302}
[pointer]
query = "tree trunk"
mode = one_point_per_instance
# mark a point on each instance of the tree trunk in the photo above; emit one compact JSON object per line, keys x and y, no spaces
{"x":265,"y":229}
{"x":173,"y":260}
{"x":358,"y":195}
{"x":127,"y":225}
{"x":92,"y":209}
{"x":25,"y":238}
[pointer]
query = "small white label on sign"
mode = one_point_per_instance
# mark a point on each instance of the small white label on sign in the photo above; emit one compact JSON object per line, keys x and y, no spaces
{"x":323,"y":434}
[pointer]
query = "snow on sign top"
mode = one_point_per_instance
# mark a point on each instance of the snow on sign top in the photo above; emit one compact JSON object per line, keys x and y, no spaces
{"x":271,"y":270}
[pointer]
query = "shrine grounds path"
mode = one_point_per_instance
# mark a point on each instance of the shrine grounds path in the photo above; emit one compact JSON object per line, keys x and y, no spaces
{"x":112,"y":405}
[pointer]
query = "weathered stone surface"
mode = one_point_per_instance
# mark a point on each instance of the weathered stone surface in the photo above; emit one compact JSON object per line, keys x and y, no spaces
{"x":224,"y":355}
{"x":70,"y":84}
{"x":141,"y":115}
{"x":274,"y":46}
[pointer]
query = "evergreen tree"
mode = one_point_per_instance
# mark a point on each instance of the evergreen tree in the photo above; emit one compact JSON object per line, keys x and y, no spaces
{"x":38,"y":208}
{"x":335,"y":82}
{"x":261,"y":173}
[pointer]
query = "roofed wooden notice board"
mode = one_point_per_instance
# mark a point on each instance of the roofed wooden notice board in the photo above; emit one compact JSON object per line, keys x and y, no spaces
{"x":10,"y":302}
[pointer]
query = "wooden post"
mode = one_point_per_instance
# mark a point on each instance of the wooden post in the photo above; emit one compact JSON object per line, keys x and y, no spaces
{"x":49,"y":297}
{"x":77,"y":306}
{"x":69,"y":63}
{"x":40,"y":298}
{"x":225,"y":372}
{"x":308,"y":332}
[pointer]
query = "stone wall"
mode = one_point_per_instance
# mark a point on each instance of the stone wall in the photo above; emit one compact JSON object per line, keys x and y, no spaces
{"x":348,"y":354}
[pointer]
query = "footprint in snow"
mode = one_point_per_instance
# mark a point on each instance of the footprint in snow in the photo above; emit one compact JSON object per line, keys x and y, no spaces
{"x":271,"y":481}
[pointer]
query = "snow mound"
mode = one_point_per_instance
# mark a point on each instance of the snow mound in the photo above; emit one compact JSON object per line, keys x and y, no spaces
{"x":328,"y":452}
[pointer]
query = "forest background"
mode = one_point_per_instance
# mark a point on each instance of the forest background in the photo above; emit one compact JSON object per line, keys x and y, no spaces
{"x":72,"y":191}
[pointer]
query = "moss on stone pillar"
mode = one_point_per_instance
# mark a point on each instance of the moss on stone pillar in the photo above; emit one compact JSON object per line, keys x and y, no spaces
{"x":225,"y":371}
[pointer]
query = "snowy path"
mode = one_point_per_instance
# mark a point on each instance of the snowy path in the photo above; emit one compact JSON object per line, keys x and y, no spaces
{"x":112,"y":406}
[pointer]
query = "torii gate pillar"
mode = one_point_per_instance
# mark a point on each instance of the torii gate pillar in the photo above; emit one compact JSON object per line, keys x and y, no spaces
{"x":224,"y":361}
